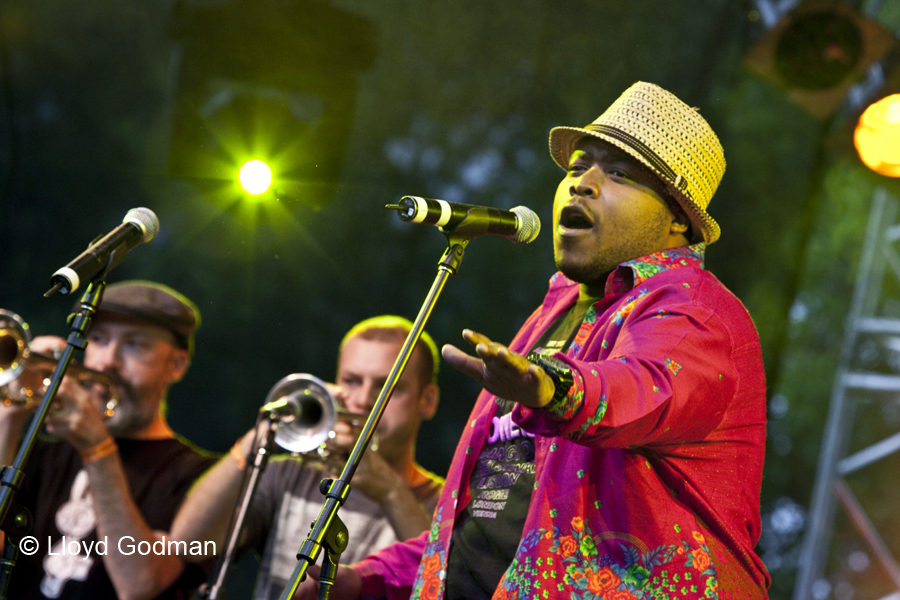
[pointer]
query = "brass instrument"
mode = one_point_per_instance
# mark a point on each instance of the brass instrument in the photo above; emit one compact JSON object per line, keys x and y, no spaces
{"x":306,"y":413}
{"x":32,"y":371}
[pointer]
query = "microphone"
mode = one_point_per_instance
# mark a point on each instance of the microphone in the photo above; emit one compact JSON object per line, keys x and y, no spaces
{"x":521,"y":225}
{"x":139,"y":225}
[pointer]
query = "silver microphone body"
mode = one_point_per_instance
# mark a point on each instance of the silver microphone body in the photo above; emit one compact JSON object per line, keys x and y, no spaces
{"x":520,"y":224}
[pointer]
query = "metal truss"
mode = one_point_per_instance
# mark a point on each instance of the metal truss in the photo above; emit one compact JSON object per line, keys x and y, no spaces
{"x":859,"y":379}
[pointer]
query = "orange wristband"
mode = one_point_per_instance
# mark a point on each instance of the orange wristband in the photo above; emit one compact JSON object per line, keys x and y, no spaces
{"x":101,"y":450}
{"x":238,"y":456}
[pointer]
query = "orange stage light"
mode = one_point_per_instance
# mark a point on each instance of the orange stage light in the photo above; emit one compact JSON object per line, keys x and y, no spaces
{"x":877,"y":136}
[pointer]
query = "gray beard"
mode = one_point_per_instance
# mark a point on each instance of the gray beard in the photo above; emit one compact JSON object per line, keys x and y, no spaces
{"x":130,"y":416}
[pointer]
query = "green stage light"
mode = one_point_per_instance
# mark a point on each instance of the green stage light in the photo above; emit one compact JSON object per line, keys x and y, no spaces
{"x":255,"y":177}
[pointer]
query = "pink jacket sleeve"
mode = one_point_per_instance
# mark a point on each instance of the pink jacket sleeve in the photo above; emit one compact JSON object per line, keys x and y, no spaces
{"x":390,"y":573}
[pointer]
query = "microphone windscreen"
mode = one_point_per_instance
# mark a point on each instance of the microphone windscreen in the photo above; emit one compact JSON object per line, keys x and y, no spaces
{"x":529,"y":225}
{"x":145,"y":219}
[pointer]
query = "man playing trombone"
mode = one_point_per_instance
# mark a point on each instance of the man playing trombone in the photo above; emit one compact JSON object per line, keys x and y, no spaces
{"x":114,"y":482}
{"x":397,"y":495}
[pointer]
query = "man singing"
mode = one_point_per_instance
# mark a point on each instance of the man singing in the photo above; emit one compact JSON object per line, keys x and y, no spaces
{"x":632,"y":401}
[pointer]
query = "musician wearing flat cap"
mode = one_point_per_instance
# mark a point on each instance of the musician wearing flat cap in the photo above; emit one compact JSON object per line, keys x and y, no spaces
{"x":110,"y":486}
{"x":616,"y":451}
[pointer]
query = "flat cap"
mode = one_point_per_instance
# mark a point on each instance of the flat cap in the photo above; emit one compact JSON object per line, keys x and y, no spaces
{"x":155,"y":303}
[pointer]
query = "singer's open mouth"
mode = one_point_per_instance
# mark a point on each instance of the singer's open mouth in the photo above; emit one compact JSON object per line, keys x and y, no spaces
{"x":573,"y":217}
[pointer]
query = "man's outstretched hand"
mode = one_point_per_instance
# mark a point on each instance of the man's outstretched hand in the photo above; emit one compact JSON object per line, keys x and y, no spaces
{"x":501,"y":371}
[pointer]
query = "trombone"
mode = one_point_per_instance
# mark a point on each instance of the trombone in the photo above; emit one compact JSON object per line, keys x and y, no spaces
{"x":305,"y":413}
{"x":299,"y":414}
{"x":32,"y":371}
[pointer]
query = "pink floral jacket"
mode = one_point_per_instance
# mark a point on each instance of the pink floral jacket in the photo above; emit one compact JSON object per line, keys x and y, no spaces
{"x":648,"y":474}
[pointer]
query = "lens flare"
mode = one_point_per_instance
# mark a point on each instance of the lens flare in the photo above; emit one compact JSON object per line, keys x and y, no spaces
{"x":255,"y":177}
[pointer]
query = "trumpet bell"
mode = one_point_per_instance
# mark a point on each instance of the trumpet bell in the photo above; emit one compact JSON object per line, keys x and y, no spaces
{"x":33,"y":370}
{"x":15,"y":335}
{"x":306,"y":412}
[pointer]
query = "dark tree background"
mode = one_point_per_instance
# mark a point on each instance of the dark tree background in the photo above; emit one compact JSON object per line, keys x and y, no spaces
{"x":106,"y":105}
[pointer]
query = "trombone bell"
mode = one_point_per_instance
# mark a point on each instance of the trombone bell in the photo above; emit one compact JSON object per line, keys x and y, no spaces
{"x":305,"y":409}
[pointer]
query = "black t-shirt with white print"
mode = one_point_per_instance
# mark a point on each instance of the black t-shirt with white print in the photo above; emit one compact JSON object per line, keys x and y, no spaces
{"x":57,"y":491}
{"x":487,"y":533}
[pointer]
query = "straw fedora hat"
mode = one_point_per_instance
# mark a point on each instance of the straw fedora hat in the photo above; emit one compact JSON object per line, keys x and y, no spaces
{"x":667,"y":136}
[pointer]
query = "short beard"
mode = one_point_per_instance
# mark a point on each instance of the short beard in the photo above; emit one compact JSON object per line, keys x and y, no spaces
{"x":593,"y":272}
{"x":131,"y":415}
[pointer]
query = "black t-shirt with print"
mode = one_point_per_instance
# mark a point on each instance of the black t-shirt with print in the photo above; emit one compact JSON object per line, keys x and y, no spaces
{"x":487,"y":533}
{"x":159,"y":473}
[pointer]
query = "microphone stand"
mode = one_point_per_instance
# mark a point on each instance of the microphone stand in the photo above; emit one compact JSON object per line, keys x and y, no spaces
{"x":328,"y":531}
{"x":262,"y":446}
{"x":15,"y":520}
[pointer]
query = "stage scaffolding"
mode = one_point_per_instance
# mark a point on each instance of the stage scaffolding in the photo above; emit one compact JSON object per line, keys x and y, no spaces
{"x":867,"y":378}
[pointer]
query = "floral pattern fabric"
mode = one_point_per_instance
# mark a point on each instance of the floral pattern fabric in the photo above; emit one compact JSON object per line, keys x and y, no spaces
{"x":578,"y":571}
{"x":647,"y":484}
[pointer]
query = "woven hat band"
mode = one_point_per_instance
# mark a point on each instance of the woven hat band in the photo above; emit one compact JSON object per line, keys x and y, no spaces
{"x":651,"y":157}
